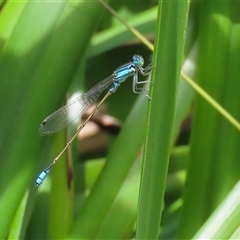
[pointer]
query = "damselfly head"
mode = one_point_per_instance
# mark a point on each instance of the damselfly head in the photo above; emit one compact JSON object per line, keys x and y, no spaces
{"x":138,"y":60}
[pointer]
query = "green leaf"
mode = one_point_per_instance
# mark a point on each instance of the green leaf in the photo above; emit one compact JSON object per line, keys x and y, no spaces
{"x":225,"y":220}
{"x":168,"y":57}
{"x":40,"y":55}
{"x":214,"y":149}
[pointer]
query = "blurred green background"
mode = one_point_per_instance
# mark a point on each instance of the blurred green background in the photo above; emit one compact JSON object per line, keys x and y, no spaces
{"x":185,"y":153}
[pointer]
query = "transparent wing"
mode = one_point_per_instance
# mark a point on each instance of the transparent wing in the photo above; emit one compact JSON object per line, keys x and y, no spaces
{"x":72,"y":110}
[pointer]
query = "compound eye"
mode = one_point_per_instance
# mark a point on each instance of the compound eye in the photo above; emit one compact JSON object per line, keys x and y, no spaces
{"x":138,"y":60}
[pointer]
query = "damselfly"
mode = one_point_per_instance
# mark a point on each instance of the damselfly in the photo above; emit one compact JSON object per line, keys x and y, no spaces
{"x":73,"y":110}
